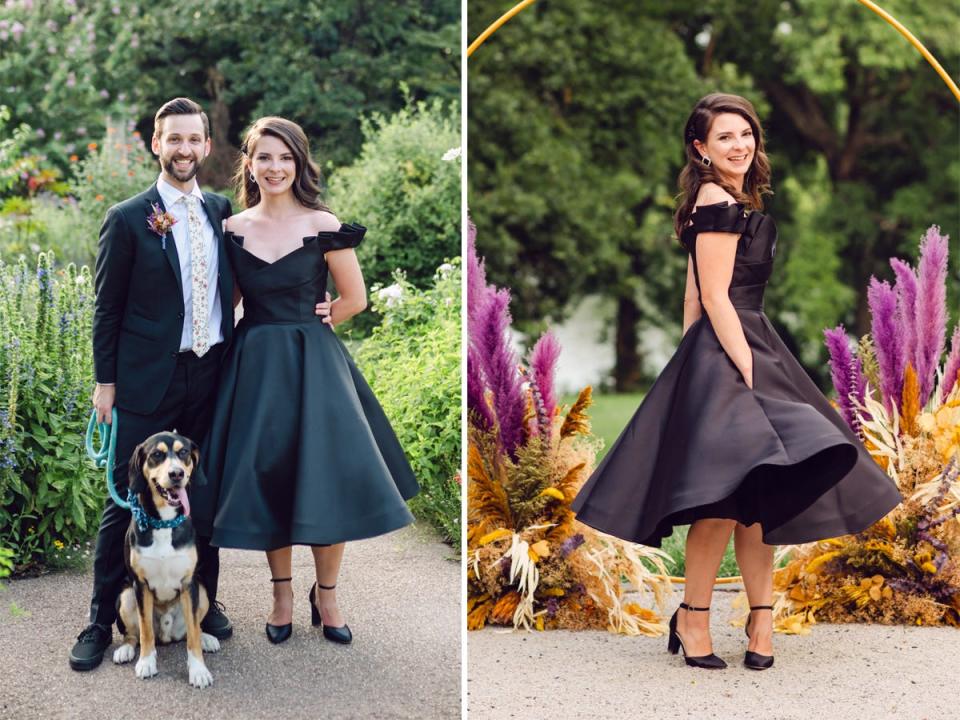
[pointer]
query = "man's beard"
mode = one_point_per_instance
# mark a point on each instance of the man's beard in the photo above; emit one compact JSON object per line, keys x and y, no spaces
{"x":170,"y":167}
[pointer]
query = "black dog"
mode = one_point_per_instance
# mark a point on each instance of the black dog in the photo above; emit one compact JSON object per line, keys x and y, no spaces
{"x":165,"y":600}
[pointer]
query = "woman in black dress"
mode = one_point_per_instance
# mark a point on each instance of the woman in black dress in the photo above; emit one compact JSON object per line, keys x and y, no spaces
{"x":300,"y":451}
{"x":733,"y":436}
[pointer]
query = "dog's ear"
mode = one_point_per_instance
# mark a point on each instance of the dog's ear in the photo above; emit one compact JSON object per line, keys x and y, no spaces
{"x":136,"y":480}
{"x":194,"y":455}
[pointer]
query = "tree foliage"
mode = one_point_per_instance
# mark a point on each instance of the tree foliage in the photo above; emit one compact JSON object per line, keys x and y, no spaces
{"x":67,"y":65}
{"x":576,"y":112}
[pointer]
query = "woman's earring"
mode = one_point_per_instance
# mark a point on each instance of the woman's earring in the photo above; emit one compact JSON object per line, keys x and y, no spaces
{"x":252,"y":178}
{"x":706,"y":161}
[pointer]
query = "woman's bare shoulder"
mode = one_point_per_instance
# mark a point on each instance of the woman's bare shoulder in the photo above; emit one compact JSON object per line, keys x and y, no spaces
{"x":324,"y":221}
{"x":711,"y":193}
{"x":238,"y":223}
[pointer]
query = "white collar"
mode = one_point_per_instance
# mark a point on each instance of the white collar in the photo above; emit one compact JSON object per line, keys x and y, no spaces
{"x":169,"y":194}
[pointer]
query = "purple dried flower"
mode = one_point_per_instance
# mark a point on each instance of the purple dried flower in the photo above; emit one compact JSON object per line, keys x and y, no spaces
{"x":499,"y":361}
{"x":476,"y":391}
{"x":952,"y":368}
{"x":883,"y":308}
{"x":571,"y":544}
{"x":552,"y":606}
{"x":543,"y":361}
{"x":931,"y":311}
{"x":906,"y":287}
{"x":846,"y":375}
{"x":477,"y":290}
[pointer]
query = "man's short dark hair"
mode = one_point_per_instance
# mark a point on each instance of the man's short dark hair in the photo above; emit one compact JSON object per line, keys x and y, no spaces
{"x":180,"y":106}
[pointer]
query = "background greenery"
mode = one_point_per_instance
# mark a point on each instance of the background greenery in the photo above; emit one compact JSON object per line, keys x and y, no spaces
{"x":412,"y":361}
{"x":376,"y":87}
{"x":576,"y":117}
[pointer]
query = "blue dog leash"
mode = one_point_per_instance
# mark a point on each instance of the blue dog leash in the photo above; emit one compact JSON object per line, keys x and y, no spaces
{"x":106,"y":457}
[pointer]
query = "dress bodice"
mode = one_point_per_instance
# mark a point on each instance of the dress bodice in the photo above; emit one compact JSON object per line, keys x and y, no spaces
{"x":756,"y":247}
{"x":287,"y":290}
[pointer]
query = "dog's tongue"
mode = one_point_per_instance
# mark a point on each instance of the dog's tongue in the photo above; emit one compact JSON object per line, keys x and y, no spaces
{"x":181,"y":495}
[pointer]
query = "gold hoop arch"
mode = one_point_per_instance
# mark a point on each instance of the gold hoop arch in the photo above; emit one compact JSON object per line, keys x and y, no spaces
{"x":896,"y":24}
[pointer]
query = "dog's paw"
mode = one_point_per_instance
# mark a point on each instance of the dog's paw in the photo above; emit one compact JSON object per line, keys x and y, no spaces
{"x":124,"y":653}
{"x":147,"y":666}
{"x":209,"y":643}
{"x":200,"y":677}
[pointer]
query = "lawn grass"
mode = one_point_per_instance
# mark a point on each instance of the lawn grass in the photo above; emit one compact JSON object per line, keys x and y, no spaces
{"x":609,"y":414}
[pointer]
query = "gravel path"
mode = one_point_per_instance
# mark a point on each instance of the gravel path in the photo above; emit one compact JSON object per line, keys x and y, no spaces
{"x":861,"y":671}
{"x":399,"y":593}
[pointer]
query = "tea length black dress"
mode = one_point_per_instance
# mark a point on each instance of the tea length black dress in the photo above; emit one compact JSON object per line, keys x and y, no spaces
{"x":299,"y":451}
{"x":703,"y":444}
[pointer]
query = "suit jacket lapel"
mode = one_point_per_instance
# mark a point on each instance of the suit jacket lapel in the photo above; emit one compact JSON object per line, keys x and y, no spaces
{"x":153,"y":196}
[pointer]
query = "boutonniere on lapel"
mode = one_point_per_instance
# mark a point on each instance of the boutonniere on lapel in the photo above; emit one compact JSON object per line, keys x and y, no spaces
{"x":160,"y":222}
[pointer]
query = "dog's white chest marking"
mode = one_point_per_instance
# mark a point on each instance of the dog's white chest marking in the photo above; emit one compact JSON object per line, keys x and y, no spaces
{"x":164,"y":566}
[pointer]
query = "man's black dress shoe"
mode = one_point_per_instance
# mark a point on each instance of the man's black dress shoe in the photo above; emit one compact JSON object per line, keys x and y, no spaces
{"x":216,"y":623}
{"x":88,"y":651}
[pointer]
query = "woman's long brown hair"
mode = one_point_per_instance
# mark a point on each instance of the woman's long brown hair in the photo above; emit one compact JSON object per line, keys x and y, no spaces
{"x":306,"y":185}
{"x":695,"y":173}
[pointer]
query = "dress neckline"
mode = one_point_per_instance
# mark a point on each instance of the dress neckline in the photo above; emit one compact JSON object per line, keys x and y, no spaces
{"x":235,"y":237}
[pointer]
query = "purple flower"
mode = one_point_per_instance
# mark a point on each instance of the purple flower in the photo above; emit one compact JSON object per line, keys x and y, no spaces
{"x":41,"y":133}
{"x":71,"y":80}
{"x":17,"y":29}
{"x":492,"y":344}
{"x":543,"y":360}
{"x":931,"y":311}
{"x":476,"y":402}
{"x":104,"y":94}
{"x":571,"y":544}
{"x":952,"y":367}
{"x":552,"y":606}
{"x":882,"y":300}
{"x":847,"y":375}
{"x":477,"y":290}
{"x":488,"y":325}
{"x":906,"y":287}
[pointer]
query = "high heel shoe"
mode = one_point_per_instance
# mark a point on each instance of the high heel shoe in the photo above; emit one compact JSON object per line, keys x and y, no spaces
{"x":279,"y":633}
{"x":675,"y":644}
{"x":340,"y":634}
{"x":756,"y":661}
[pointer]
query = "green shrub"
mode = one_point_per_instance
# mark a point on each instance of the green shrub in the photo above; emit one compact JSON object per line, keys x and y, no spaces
{"x":50,"y":495}
{"x":115,"y":168}
{"x":412,"y":362}
{"x":404,"y":191}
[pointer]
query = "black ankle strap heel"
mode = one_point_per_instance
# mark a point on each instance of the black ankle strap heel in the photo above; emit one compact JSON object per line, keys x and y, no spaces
{"x":279,"y":633}
{"x":340,"y":634}
{"x":752,"y":660}
{"x":675,"y":644}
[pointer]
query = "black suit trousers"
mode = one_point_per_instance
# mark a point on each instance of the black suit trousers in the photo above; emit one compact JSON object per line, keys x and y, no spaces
{"x":187,"y":407}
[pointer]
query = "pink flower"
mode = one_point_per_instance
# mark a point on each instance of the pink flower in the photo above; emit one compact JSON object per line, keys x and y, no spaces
{"x":160,"y":222}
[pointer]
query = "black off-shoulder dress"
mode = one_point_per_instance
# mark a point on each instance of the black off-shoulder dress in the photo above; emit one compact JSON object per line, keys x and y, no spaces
{"x":703,"y":444}
{"x":299,"y":451}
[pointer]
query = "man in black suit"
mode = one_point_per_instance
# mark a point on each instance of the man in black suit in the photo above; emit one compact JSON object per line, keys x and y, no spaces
{"x":163,"y":317}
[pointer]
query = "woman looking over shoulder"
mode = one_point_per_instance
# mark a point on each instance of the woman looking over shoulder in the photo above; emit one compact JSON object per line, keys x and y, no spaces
{"x":733,"y":437}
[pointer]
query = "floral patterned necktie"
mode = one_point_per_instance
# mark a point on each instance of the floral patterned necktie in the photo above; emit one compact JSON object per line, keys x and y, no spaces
{"x":198,"y":277}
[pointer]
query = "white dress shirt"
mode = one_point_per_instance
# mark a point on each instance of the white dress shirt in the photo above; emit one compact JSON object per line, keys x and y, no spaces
{"x":181,"y":236}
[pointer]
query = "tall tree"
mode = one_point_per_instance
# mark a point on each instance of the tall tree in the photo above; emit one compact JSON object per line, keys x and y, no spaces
{"x":576,"y":113}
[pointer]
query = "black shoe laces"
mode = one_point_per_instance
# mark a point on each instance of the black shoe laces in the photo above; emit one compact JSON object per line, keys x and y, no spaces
{"x":92,"y":633}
